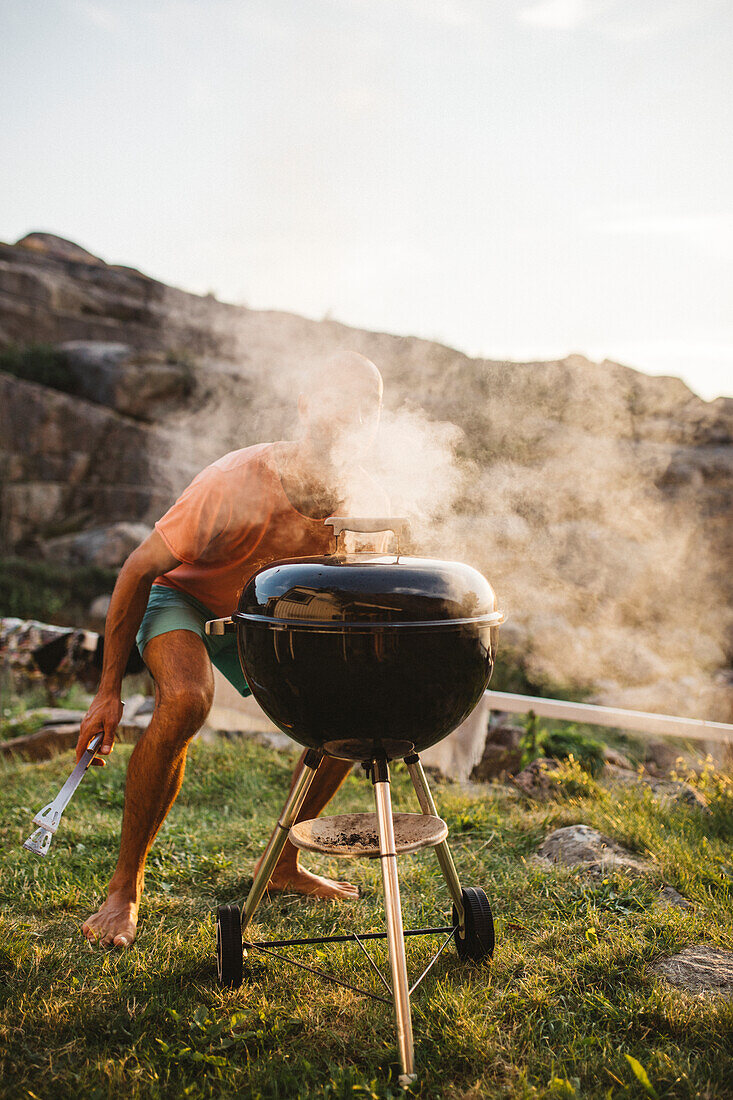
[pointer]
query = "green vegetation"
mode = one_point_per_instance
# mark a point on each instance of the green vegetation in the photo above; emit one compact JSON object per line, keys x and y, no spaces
{"x":41,"y":363}
{"x":18,"y":709}
{"x":563,"y":741}
{"x":569,"y":1006}
{"x":51,"y":593}
{"x":11,"y":726}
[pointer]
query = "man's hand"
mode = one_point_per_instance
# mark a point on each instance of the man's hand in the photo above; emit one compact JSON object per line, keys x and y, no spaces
{"x":126,"y":610}
{"x":103,"y":716}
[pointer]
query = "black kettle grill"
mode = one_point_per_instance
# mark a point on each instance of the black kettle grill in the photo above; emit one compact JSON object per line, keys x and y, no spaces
{"x":368,"y":658}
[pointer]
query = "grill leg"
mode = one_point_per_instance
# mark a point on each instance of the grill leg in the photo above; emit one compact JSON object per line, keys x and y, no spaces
{"x":395,"y":933}
{"x":442,"y":851}
{"x":274,"y":849}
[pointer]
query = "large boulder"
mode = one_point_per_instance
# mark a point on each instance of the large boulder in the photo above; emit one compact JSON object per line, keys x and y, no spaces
{"x":52,"y":290}
{"x":107,"y":547}
{"x":661,"y":757}
{"x":676,"y":794}
{"x":671,"y":794}
{"x":144,"y":387}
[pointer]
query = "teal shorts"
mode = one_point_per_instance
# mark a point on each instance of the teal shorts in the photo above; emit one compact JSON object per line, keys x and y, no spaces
{"x":169,"y":609}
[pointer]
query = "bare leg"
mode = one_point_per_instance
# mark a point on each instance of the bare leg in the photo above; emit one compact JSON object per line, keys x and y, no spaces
{"x":184,"y":686}
{"x":288,"y":874}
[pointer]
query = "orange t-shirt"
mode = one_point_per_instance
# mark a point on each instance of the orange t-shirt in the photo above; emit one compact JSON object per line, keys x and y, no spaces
{"x":235,"y":517}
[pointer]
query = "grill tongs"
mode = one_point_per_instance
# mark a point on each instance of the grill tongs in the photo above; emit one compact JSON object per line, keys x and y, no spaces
{"x":48,"y":818}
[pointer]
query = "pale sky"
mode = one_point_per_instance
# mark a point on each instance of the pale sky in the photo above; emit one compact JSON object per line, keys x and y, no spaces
{"x":515,"y":178}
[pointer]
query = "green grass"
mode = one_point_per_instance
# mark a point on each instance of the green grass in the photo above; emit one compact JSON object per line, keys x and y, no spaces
{"x":569,"y":993}
{"x":49,"y":592}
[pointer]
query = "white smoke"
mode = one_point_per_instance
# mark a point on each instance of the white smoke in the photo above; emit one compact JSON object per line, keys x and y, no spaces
{"x":609,"y":584}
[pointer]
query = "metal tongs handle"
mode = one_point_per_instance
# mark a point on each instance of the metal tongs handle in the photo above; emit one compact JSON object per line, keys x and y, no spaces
{"x":49,"y":817}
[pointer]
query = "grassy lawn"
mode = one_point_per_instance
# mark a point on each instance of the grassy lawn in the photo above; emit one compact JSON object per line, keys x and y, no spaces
{"x":568,"y":995}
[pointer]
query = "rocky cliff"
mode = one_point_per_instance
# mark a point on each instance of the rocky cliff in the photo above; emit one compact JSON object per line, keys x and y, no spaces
{"x":597,"y":499}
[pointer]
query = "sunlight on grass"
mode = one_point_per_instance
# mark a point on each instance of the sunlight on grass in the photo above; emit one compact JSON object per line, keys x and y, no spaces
{"x":568,"y":1007}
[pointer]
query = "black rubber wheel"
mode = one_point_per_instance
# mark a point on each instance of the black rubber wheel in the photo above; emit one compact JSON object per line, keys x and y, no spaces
{"x":477,"y":942}
{"x":229,"y":952}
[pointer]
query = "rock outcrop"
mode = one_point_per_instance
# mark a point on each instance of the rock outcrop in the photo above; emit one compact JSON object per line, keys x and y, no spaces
{"x":67,"y":464}
{"x":52,"y":291}
{"x":145,"y":387}
{"x":597,"y":499}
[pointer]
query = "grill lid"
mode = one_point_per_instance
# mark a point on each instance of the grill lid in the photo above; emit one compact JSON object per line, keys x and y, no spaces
{"x":367,"y":589}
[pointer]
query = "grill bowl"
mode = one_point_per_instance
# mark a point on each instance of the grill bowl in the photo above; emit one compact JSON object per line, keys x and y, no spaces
{"x":358,"y":655}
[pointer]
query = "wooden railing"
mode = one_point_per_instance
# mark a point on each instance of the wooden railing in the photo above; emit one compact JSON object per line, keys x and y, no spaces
{"x":637,"y":720}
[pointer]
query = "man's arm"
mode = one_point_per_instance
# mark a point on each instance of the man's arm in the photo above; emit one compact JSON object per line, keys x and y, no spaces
{"x":126,"y":610}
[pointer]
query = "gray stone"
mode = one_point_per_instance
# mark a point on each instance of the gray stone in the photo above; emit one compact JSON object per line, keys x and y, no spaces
{"x":690,"y":797}
{"x":536,"y":780}
{"x":669,"y":898}
{"x":506,"y":736}
{"x":702,"y":970}
{"x":48,"y":715}
{"x":107,"y":547}
{"x":660,"y":757}
{"x":674,"y":794}
{"x":53,"y":739}
{"x":44,"y":744}
{"x":616,"y":774}
{"x":617,"y":759}
{"x":134,"y":706}
{"x":582,"y":846}
{"x":98,"y":608}
{"x":669,"y":793}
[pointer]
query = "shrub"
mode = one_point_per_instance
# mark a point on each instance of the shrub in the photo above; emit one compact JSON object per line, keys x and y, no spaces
{"x":567,"y":743}
{"x":571,"y":780}
{"x":564,"y":744}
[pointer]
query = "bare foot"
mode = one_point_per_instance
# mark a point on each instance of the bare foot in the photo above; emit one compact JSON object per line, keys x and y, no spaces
{"x":114,"y":924}
{"x":294,"y":880}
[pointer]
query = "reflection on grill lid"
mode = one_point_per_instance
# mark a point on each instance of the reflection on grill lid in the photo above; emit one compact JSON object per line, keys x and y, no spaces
{"x":367,"y":589}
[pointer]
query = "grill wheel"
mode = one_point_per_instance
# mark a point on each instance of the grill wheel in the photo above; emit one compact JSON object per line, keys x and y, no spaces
{"x":229,"y":946}
{"x":478,"y":941}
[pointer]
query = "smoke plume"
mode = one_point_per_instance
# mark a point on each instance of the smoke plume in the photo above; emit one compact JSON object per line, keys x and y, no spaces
{"x":549,"y":478}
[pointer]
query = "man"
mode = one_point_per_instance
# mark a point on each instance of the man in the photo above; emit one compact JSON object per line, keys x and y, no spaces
{"x":250,"y":507}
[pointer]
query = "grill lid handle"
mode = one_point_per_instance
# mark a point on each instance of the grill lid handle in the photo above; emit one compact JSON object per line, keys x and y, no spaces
{"x":369,"y":525}
{"x":216,"y":627}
